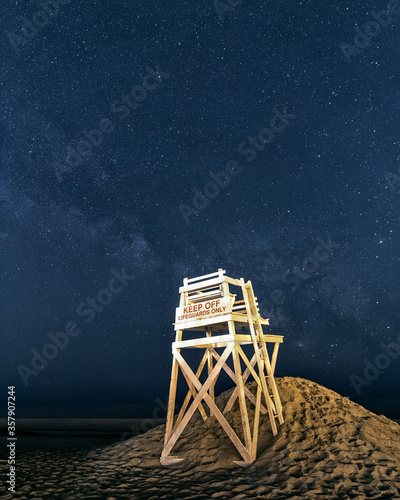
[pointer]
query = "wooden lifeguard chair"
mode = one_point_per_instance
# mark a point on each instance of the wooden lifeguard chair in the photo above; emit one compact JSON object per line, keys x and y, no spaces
{"x":206,"y":305}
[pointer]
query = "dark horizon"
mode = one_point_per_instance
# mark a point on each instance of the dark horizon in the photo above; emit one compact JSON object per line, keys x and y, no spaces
{"x":388,"y":405}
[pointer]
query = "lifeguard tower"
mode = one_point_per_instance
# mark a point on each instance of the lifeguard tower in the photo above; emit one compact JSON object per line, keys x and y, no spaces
{"x":206,"y":305}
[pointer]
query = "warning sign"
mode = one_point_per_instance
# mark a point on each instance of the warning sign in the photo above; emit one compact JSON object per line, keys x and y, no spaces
{"x":202,"y":310}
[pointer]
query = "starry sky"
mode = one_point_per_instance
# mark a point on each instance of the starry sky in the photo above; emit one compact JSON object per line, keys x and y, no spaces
{"x":117,"y":116}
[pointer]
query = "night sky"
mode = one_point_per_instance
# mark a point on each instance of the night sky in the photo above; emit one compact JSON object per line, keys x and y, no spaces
{"x":113,"y":116}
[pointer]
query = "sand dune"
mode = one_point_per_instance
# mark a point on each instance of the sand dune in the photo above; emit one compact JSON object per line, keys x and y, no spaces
{"x":329,"y":447}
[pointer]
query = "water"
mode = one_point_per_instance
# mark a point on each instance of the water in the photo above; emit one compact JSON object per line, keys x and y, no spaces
{"x":59,"y":444}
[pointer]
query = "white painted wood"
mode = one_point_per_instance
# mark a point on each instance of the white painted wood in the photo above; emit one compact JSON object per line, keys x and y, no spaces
{"x":218,"y":273}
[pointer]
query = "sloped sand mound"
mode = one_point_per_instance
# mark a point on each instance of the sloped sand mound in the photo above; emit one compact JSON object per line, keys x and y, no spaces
{"x":329,"y":447}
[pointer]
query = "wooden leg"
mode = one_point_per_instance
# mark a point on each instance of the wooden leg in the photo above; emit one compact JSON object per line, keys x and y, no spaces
{"x":193,"y":392}
{"x":233,"y":377}
{"x":241,"y":396}
{"x":272,"y":384}
{"x":248,"y":295}
{"x":258,"y":358}
{"x":274,"y":356}
{"x":172,"y":392}
{"x":256,"y":424}
{"x":203,"y":393}
{"x":171,"y":400}
{"x":234,"y":394}
{"x":200,"y":395}
{"x":248,"y":365}
{"x":189,"y":393}
{"x":210,"y":367}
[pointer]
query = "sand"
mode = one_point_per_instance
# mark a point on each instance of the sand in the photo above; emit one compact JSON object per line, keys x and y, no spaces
{"x":329,"y":447}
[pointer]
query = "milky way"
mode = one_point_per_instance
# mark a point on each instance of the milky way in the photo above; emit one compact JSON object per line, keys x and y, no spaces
{"x":172,"y":140}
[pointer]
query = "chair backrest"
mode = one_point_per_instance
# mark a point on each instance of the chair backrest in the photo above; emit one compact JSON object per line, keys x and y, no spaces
{"x":208,"y":296}
{"x":204,"y":288}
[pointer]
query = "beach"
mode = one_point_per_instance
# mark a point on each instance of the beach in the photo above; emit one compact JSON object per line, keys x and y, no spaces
{"x":328,"y":447}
